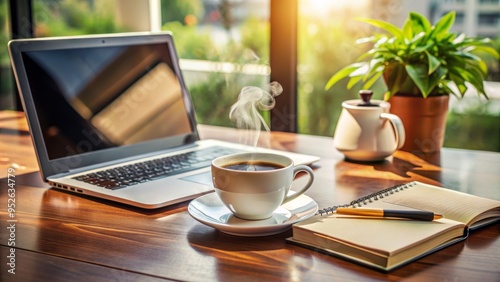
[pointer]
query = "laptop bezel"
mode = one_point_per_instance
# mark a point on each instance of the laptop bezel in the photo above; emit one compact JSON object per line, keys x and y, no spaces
{"x":75,"y":162}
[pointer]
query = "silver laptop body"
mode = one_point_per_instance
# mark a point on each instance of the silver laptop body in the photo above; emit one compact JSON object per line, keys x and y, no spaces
{"x":95,"y":104}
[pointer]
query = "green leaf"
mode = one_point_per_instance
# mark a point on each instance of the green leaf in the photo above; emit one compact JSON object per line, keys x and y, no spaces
{"x":387,"y":95}
{"x":455,"y":62}
{"x":466,"y":55}
{"x":455,"y":75}
{"x":369,"y":83}
{"x":395,"y":77}
{"x":366,"y":39}
{"x":476,"y":79}
{"x":434,"y":62}
{"x":362,"y":70}
{"x":473,"y":77}
{"x":459,"y":39}
{"x":353,"y":81}
{"x":365,"y":55}
{"x":342,"y":73}
{"x":419,"y":23}
{"x":417,"y":38}
{"x":381,"y":40}
{"x":436,"y":78}
{"x":392,"y":29}
{"x":375,"y":72}
{"x":487,"y":50}
{"x":421,"y":49}
{"x":483,"y":67}
{"x":418,"y":74}
{"x":444,"y":24}
{"x":451,"y":91}
{"x":376,"y":63}
{"x":458,"y":81}
{"x":407,"y":30}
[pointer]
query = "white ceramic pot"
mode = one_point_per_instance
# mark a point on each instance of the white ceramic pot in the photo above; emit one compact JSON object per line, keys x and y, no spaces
{"x":368,"y":132}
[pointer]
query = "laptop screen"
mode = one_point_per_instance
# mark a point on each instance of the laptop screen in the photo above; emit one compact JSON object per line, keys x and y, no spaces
{"x":94,"y":98}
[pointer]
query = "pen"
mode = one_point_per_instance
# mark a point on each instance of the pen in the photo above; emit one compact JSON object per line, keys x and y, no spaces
{"x":408,"y":214}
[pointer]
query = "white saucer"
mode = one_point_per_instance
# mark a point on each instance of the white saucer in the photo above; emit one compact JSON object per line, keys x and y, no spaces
{"x":208,"y":209}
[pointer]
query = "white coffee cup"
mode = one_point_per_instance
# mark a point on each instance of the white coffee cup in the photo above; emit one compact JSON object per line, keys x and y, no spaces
{"x":256,"y":194}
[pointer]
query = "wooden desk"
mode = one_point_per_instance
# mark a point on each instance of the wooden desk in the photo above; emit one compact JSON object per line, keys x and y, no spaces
{"x":64,"y":237}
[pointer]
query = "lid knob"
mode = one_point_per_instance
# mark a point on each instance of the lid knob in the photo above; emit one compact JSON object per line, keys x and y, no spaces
{"x":366,"y":95}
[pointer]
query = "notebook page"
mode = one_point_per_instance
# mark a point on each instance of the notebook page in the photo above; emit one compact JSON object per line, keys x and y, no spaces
{"x":386,"y":237}
{"x":452,"y":204}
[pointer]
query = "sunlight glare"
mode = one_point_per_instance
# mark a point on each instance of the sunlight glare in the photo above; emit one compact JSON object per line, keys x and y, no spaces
{"x":331,"y":7}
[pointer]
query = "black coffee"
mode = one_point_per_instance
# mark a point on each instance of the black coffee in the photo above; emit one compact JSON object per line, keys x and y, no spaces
{"x":253,"y":166}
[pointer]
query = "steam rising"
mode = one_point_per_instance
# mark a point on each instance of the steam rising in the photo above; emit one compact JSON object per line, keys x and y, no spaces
{"x":245,"y":112}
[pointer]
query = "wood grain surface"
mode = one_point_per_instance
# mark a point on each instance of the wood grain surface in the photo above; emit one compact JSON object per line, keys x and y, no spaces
{"x":64,"y":237}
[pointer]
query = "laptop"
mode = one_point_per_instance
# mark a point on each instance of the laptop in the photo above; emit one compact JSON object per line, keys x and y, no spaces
{"x":110,"y":116}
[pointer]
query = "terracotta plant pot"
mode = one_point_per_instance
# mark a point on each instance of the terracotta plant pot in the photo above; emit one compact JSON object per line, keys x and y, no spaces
{"x":424,"y":121}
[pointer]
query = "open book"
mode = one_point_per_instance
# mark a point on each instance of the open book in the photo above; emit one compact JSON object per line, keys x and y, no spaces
{"x":387,"y":243}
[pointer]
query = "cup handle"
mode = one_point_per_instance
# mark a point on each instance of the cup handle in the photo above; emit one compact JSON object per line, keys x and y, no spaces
{"x":397,"y":125}
{"x":296,"y":170}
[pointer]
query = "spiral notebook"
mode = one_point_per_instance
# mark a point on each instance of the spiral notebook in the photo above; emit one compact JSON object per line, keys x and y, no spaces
{"x":386,"y":244}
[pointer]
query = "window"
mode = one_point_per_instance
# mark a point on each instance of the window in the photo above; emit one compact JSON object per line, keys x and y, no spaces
{"x":224,"y":46}
{"x":492,"y":19}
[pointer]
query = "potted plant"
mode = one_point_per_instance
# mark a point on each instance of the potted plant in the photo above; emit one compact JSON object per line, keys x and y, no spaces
{"x":421,"y":65}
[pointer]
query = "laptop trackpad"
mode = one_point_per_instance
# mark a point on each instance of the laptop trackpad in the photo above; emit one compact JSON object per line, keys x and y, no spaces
{"x":204,"y":178}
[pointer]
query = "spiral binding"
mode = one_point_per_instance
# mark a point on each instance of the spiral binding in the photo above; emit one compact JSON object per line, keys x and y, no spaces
{"x":368,"y":199}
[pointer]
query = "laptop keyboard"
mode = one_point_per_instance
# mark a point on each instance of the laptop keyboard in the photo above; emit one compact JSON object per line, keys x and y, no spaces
{"x":132,"y":174}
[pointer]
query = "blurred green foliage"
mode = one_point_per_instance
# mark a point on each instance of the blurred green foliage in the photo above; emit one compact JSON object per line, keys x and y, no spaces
{"x":4,"y":57}
{"x":73,"y":17}
{"x":324,"y":47}
{"x":255,"y":38}
{"x":190,"y":43}
{"x":214,"y":94}
{"x":475,"y":128}
{"x":494,"y":65}
{"x":6,"y":83}
{"x":177,"y":10}
{"x":213,"y":99}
